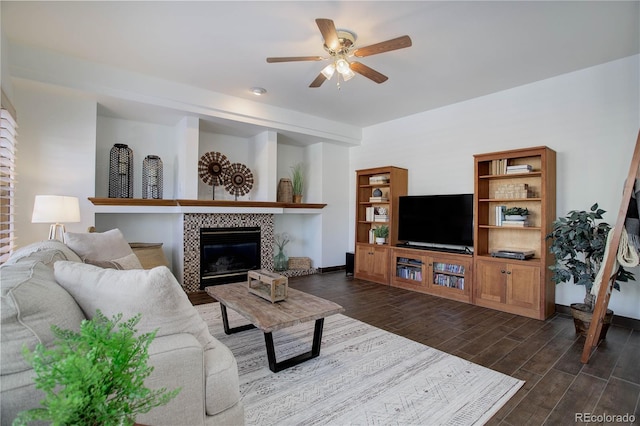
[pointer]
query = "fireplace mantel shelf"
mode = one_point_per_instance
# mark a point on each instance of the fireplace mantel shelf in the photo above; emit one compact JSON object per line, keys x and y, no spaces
{"x":142,"y":205}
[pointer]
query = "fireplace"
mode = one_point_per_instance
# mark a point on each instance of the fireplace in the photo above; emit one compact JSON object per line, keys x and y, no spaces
{"x":227,"y":254}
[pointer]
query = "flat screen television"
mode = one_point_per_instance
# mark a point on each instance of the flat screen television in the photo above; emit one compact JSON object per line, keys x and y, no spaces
{"x":436,"y":219}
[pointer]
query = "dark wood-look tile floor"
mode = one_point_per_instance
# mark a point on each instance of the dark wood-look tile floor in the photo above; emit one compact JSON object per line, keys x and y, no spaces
{"x":546,"y":354}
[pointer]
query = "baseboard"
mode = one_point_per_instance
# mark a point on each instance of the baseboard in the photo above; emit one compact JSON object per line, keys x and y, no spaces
{"x":626,"y":322}
{"x":331,"y":269}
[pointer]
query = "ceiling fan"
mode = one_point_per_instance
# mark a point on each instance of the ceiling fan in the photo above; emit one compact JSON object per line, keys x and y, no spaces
{"x":340,"y":44}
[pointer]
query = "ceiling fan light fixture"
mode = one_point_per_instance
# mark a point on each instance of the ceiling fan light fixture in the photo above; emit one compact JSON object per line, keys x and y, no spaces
{"x":342,"y":65}
{"x":348,"y":75}
{"x":329,"y":70}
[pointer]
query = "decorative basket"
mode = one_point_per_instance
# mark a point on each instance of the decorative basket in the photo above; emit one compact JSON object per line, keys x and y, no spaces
{"x":285,"y":191}
{"x":299,"y":263}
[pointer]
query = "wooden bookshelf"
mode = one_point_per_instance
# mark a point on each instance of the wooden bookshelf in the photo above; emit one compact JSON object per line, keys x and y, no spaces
{"x":522,"y":287}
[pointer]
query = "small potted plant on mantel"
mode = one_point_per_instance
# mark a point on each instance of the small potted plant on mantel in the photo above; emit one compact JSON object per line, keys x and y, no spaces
{"x":297,"y":179}
{"x":578,"y":242}
{"x":381,"y":233}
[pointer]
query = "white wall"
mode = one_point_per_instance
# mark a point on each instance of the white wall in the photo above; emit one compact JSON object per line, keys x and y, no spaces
{"x":335,"y":192}
{"x":325,"y":167}
{"x":590,"y":117}
{"x":5,"y":81}
{"x":56,"y":153}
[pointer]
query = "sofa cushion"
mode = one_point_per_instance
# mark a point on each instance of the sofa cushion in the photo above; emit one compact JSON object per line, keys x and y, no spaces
{"x":103,"y":246}
{"x":31,"y":302}
{"x":128,"y":262}
{"x":154,"y":293}
{"x":221,"y":372}
{"x":47,"y":252}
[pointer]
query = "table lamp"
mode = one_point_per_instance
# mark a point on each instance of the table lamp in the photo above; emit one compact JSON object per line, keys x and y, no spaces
{"x":56,"y":209}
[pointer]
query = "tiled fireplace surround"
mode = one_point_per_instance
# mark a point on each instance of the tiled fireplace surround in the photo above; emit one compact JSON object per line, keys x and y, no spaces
{"x":192,"y":222}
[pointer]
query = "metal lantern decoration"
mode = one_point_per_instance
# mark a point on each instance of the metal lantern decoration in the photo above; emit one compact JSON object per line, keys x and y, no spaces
{"x":121,"y":171}
{"x":152,"y":177}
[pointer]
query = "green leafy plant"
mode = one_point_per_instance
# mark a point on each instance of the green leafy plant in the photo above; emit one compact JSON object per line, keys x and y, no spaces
{"x":381,"y":231}
{"x":297,"y":179}
{"x":517,"y":211}
{"x":95,"y":376}
{"x":578,"y":242}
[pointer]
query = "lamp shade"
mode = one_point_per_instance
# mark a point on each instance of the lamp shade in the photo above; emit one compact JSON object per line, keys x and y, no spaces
{"x":55,"y":209}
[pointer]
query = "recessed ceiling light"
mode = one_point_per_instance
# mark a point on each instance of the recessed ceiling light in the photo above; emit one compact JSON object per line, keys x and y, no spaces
{"x":258,"y":91}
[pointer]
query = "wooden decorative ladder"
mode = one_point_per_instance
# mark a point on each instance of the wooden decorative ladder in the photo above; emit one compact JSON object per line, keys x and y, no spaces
{"x":604,"y":293}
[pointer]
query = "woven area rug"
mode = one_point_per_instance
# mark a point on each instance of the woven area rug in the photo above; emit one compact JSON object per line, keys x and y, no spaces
{"x":363,"y":376}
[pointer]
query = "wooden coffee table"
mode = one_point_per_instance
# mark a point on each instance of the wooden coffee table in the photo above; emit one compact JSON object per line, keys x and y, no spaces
{"x":299,"y":307}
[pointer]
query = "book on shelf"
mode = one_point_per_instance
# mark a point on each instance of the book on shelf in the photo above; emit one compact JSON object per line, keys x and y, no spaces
{"x":372,"y":236}
{"x":500,"y":214}
{"x":381,"y":218}
{"x":521,"y":168}
{"x":448,"y":281}
{"x":369,"y":213}
{"x":373,"y":180}
{"x":409,"y":273}
{"x":378,"y":199}
{"x":521,"y":223}
{"x":499,"y":167}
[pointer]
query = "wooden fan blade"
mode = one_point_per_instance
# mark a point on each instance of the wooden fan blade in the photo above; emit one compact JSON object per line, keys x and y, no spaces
{"x":318,"y":81}
{"x":329,"y":33}
{"x":295,"y":58}
{"x":370,"y":73}
{"x":385,"y":46}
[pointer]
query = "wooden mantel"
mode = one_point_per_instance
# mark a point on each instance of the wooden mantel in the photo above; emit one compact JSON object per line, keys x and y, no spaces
{"x":147,"y":202}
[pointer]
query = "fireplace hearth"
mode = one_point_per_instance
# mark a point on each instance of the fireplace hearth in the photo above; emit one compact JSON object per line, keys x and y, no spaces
{"x":227,"y":254}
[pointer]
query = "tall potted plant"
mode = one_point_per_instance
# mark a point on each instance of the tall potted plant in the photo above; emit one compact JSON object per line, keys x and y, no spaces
{"x":578,"y":242}
{"x":297,"y":178}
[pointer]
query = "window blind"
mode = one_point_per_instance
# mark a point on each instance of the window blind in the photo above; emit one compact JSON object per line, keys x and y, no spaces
{"x":8,"y":142}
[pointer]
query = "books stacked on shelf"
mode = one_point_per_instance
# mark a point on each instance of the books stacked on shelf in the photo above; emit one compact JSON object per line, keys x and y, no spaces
{"x":450,"y":281}
{"x":448,"y":267}
{"x":409,"y":273}
{"x":378,"y":199}
{"x":501,"y":167}
{"x":500,"y":214}
{"x":372,"y":236}
{"x":381,"y":218}
{"x":379,"y":179}
{"x":519,"y":168}
{"x":521,"y":223}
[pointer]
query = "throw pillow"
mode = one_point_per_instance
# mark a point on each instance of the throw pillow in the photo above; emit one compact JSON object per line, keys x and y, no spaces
{"x":101,"y":246}
{"x":31,"y":302}
{"x":154,"y":293}
{"x":127,"y":262}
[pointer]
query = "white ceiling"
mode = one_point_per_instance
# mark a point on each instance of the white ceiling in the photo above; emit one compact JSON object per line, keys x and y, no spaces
{"x":461,"y":50}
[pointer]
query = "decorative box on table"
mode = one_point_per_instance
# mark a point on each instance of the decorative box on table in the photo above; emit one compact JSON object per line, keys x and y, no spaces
{"x":268,"y":285}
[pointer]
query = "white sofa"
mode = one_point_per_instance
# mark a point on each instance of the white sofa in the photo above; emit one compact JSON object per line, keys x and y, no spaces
{"x":47,"y":283}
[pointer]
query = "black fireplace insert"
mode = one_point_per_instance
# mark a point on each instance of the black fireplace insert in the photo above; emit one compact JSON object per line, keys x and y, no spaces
{"x":227,"y":254}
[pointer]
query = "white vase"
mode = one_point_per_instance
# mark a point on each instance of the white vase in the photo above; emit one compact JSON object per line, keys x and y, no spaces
{"x":380,"y":240}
